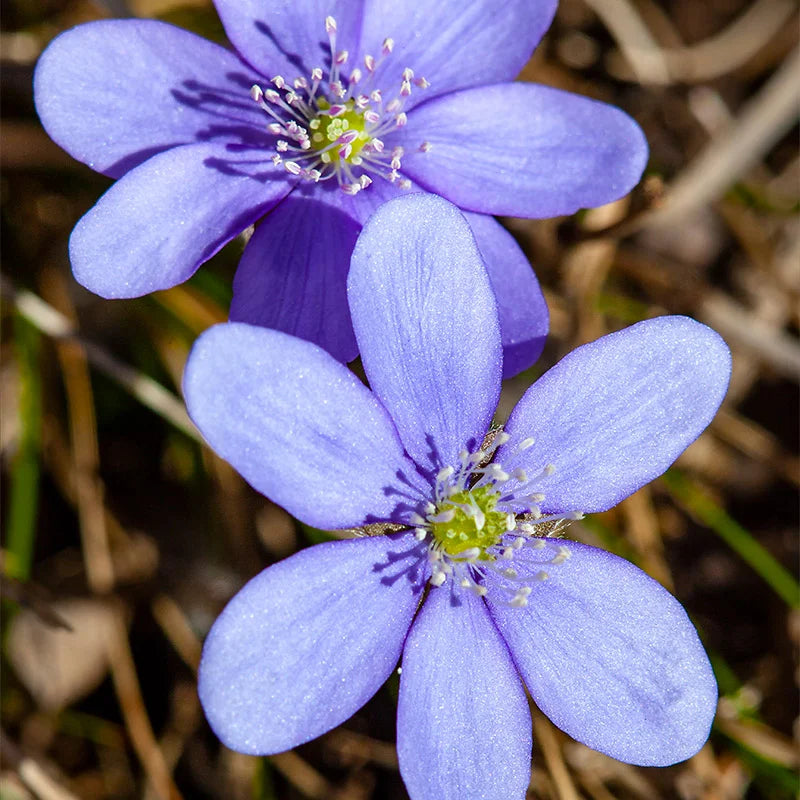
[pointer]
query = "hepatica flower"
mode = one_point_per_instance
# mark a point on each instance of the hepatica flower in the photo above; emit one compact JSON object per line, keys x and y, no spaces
{"x":474,"y":588}
{"x":324,"y":111}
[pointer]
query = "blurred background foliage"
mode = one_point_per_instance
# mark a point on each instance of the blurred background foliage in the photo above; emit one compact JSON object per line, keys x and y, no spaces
{"x":123,"y":536}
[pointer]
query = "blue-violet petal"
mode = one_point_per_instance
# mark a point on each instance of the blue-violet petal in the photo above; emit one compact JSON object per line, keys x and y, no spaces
{"x":299,"y":426}
{"x":608,"y":654}
{"x":426,"y":324}
{"x":615,"y":413}
{"x":291,"y":656}
{"x":523,"y":150}
{"x":463,"y":724}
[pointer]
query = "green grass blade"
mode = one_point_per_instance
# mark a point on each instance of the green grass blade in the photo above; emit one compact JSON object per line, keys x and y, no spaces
{"x":24,"y":473}
{"x":703,"y":507}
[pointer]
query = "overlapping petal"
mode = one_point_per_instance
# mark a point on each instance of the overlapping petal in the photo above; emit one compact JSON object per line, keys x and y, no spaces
{"x":609,"y":655}
{"x":615,"y":413}
{"x":523,"y":150}
{"x":463,"y":725}
{"x":426,"y":324}
{"x":521,"y":308}
{"x":155,"y":226}
{"x":293,"y":275}
{"x":287,"y":37}
{"x":290,"y":657}
{"x":299,"y":426}
{"x":452,"y":43}
{"x":114,"y":92}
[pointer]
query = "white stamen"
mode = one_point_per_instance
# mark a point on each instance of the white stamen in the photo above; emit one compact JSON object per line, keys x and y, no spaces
{"x":444,"y":474}
{"x":520,"y":599}
{"x":509,"y":573}
{"x":562,"y":555}
{"x":497,"y":473}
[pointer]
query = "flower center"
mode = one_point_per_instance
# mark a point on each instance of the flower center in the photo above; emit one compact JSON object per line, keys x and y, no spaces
{"x":334,"y":129}
{"x":469,"y":520}
{"x":348,"y":129}
{"x":482,"y":519}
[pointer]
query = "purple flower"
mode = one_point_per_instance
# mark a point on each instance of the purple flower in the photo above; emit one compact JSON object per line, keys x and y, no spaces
{"x":605,"y":651}
{"x":308,"y":127}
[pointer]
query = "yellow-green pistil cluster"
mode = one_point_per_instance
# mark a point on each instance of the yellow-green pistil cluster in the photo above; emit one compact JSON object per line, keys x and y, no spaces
{"x":475,"y":522}
{"x":329,"y":130}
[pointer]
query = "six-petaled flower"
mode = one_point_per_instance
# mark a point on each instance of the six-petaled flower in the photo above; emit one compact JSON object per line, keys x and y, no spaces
{"x":474,"y":589}
{"x":323,"y":112}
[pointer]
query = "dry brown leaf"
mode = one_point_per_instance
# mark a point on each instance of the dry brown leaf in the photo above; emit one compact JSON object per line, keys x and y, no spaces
{"x":58,"y":666}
